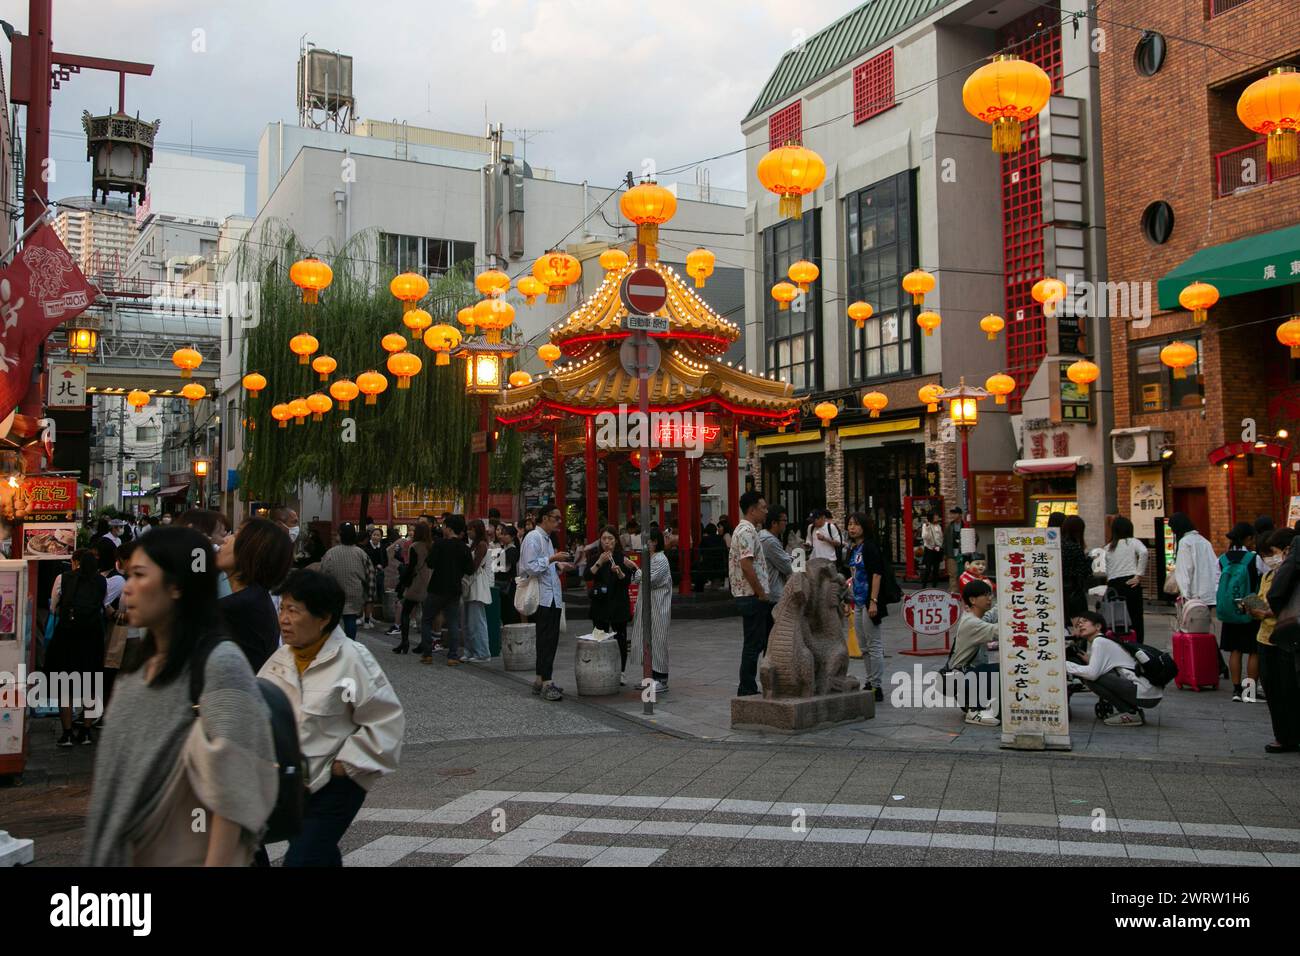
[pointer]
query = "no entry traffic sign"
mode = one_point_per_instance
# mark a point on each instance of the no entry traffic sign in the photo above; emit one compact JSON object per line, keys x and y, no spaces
{"x":643,"y":291}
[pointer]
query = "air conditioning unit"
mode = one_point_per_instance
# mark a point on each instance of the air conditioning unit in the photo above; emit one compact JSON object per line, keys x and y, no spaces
{"x":1137,"y":446}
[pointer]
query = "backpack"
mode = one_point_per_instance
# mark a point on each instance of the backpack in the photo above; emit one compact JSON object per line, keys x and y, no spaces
{"x":88,"y":608}
{"x":1154,"y":665}
{"x":1234,"y":585}
{"x":291,"y":770}
{"x":890,"y":592}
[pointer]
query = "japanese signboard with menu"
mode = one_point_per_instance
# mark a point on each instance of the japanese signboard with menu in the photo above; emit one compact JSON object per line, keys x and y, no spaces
{"x":1147,"y":501}
{"x":49,"y":498}
{"x":1031,"y":641}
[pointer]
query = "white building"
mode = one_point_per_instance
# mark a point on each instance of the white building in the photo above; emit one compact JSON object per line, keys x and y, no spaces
{"x":98,"y":237}
{"x":427,"y":195}
{"x":193,"y":187}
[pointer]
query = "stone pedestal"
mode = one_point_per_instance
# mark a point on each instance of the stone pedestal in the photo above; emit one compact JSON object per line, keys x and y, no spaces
{"x":15,"y":852}
{"x":797,"y":715}
{"x":596,"y":667}
{"x":519,"y":647}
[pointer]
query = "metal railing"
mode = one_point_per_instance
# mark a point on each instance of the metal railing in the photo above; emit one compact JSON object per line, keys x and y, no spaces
{"x":1247,"y":167}
{"x":1223,"y":6}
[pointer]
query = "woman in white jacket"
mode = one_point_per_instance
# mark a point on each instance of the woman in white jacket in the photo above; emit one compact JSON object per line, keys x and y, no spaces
{"x":350,"y":721}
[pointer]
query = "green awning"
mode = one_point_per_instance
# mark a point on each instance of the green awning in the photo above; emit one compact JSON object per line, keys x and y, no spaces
{"x":1266,"y":261}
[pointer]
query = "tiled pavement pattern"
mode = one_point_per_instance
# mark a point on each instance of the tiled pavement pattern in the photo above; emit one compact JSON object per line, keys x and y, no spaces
{"x":641,"y":800}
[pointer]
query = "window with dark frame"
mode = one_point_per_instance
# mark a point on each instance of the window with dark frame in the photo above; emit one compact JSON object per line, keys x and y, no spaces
{"x":881,"y":250}
{"x":1155,"y":389}
{"x":426,"y":255}
{"x":793,"y":335}
{"x":873,"y":87}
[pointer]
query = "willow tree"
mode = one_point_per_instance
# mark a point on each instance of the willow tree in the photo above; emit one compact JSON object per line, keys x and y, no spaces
{"x":417,"y":437}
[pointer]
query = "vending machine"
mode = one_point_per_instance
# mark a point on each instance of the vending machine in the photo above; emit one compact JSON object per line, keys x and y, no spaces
{"x":17,"y":659}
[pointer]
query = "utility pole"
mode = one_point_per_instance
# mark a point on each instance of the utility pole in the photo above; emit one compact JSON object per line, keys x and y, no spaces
{"x":121,"y":456}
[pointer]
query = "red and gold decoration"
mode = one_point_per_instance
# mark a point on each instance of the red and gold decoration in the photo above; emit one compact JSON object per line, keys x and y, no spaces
{"x":304,"y":346}
{"x":929,"y":321}
{"x":442,"y":340}
{"x":859,"y":312}
{"x":1000,"y":385}
{"x":803,"y":274}
{"x":992,"y":325}
{"x":319,"y":405}
{"x":784,"y":293}
{"x":1006,"y":93}
{"x":344,"y":390}
{"x":1197,"y":299}
{"x":187,"y":360}
{"x":1049,"y":293}
{"x":649,"y":205}
{"x":1180,"y":356}
{"x":312,"y":276}
{"x":404,"y":365}
{"x":918,"y":282}
{"x":417,"y":320}
{"x":557,"y":271}
{"x":324,"y":366}
{"x":1271,"y":106}
{"x":409,"y":288}
{"x":699,"y":265}
{"x":653,"y":459}
{"x":791,"y":172}
{"x":371,"y":384}
{"x":253,"y":383}
{"x":877,"y":402}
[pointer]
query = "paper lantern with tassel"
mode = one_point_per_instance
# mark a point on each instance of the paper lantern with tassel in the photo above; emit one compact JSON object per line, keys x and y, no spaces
{"x":993,"y":324}
{"x":876,"y":401}
{"x":1197,"y":299}
{"x":1006,"y":93}
{"x":1271,"y":106}
{"x":1000,"y":385}
{"x":791,"y":172}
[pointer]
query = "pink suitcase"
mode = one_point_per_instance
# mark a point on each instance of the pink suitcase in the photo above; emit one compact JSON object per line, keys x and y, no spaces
{"x":1197,"y":657}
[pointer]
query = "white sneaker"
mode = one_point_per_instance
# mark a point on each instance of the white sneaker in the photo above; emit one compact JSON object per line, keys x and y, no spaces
{"x":1125,"y":720}
{"x":660,"y":688}
{"x":982,"y":719}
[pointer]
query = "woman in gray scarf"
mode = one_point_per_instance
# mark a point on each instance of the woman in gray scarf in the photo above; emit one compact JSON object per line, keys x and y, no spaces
{"x":172,"y":786}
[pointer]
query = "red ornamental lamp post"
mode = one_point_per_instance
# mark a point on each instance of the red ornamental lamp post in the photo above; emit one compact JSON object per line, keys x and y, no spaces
{"x":963,"y":408}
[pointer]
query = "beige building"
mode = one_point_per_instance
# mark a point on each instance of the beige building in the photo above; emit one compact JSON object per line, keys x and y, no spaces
{"x":98,"y":237}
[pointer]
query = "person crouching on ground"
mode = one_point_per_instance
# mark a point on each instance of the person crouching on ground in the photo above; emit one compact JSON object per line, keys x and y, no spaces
{"x":970,"y":653}
{"x":1108,"y":671}
{"x":350,"y":721}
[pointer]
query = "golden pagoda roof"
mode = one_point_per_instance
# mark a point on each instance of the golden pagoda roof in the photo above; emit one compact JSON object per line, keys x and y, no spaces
{"x":600,"y":317}
{"x":599,"y":383}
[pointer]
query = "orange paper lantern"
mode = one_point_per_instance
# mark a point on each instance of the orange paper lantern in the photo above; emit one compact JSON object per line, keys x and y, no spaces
{"x":1049,"y":293}
{"x":1271,"y":106}
{"x":254,"y":382}
{"x":519,"y":379}
{"x":699,"y":265}
{"x":928,"y":321}
{"x":1179,"y":356}
{"x":137,"y":399}
{"x":859,"y":312}
{"x":187,"y":360}
{"x":194,"y":392}
{"x":1288,"y":333}
{"x":493,"y":282}
{"x":319,"y":405}
{"x":1197,"y":299}
{"x":465,"y":317}
{"x":826,"y":411}
{"x":918,"y":282}
{"x":993,"y":324}
{"x":303,"y":345}
{"x":791,"y":172}
{"x":409,"y":288}
{"x":300,"y":410}
{"x":648,"y":205}
{"x":528,"y":287}
{"x":404,"y":365}
{"x":876,"y":401}
{"x":613,"y":260}
{"x":344,"y":390}
{"x":442,"y":340}
{"x":281,"y":414}
{"x":557,"y":271}
{"x":392,"y":342}
{"x":492,"y":316}
{"x":311,"y":275}
{"x":931,"y":395}
{"x":417,"y":320}
{"x":1000,"y":385}
{"x":549,"y":354}
{"x":1006,"y":93}
{"x":803,"y":273}
{"x":784,"y":293}
{"x":371,"y":384}
{"x":1083,"y":373}
{"x":324,"y":365}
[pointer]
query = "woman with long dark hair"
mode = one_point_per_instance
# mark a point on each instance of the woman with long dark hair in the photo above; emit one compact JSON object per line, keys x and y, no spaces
{"x":255,"y":562}
{"x":1076,"y":567}
{"x":868,"y":575}
{"x":610,"y":575}
{"x":1126,"y":562}
{"x":477,"y":646}
{"x":414,"y":582}
{"x":656,"y":594}
{"x":166,"y":762}
{"x":508,"y":540}
{"x":78,"y":643}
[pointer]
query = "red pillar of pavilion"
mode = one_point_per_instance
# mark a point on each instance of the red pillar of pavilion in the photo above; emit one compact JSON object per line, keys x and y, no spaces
{"x":612,"y":465}
{"x":733,"y":477}
{"x":561,"y":492}
{"x":591,"y":481}
{"x":683,"y":521}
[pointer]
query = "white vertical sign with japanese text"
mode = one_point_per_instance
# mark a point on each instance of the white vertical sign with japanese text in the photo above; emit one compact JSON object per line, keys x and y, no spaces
{"x":1035,"y":708}
{"x":67,"y":386}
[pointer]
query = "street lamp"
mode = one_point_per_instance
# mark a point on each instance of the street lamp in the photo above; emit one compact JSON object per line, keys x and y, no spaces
{"x":484,"y":362}
{"x":200,"y":466}
{"x":82,"y":341}
{"x":963,"y":409}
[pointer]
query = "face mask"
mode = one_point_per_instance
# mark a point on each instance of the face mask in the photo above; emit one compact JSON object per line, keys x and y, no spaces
{"x":293,"y":533}
{"x":1274,"y":561}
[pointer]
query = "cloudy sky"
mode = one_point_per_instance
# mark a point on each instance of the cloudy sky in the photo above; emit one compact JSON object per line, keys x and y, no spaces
{"x":611,"y":82}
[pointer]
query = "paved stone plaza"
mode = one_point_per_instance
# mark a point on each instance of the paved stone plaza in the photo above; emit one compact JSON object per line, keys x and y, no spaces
{"x":491,"y":776}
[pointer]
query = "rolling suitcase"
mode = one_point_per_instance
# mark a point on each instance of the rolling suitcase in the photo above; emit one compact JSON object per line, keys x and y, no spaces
{"x":1197,"y":657}
{"x":1119,"y":623}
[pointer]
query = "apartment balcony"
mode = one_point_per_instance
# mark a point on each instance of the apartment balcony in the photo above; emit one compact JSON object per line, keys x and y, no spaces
{"x":1244,"y":168}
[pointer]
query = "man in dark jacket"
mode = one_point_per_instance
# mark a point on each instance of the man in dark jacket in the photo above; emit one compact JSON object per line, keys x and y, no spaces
{"x":450,"y":561}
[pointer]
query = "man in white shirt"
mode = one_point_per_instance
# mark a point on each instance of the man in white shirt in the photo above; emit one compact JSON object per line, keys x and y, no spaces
{"x":747,"y":575}
{"x":825,"y":538}
{"x":539,"y":559}
{"x":1109,"y":671}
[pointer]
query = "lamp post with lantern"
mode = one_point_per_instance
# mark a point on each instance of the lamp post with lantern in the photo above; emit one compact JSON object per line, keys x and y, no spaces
{"x":963,"y":409}
{"x":201,"y":467}
{"x":485,"y":379}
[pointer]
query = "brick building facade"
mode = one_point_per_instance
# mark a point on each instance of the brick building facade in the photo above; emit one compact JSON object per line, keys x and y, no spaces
{"x":1173,"y":137}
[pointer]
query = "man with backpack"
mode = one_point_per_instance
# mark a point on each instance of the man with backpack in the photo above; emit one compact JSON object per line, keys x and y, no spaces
{"x":1238,"y":579}
{"x":1125,"y":677}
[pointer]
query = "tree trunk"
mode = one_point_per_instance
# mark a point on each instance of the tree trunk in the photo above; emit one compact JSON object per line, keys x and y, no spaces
{"x":365,"y":507}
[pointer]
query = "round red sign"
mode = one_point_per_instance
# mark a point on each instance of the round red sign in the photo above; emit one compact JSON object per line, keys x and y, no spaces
{"x":644,"y":291}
